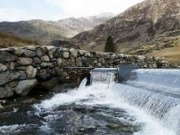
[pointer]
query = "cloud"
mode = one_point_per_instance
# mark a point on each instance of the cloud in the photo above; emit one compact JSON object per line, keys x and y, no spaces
{"x":78,"y":8}
{"x":15,"y":10}
{"x":13,"y":15}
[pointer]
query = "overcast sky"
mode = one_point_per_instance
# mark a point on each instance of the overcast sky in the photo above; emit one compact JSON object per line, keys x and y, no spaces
{"x":15,"y":10}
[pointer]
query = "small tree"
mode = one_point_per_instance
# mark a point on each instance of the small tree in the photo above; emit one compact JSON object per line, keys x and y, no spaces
{"x":109,"y":47}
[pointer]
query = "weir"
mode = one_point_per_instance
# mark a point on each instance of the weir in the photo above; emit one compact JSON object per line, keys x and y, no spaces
{"x":156,"y":91}
{"x":130,"y":102}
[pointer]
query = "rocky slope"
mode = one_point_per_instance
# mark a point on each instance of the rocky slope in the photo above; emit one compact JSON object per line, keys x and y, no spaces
{"x":50,"y":30}
{"x":140,"y":24}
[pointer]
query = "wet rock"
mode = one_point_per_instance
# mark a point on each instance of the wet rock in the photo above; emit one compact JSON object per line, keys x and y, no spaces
{"x":86,"y":130}
{"x":3,"y":101}
{"x":3,"y":67}
{"x":24,"y":61}
{"x":31,"y":72}
{"x":29,"y":53}
{"x":66,"y":55}
{"x":45,"y":58}
{"x":6,"y":92}
{"x":44,"y":74}
{"x":83,"y":109}
{"x":74,"y":52}
{"x":7,"y":57}
{"x":28,"y":101}
{"x":1,"y":107}
{"x":123,"y":127}
{"x":25,"y":86}
{"x":39,"y":52}
{"x":49,"y":84}
{"x":8,"y":76}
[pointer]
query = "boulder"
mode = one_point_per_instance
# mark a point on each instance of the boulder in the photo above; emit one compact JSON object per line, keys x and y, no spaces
{"x":31,"y":72}
{"x":18,"y":52}
{"x":8,"y":76}
{"x":44,"y":74}
{"x":25,"y":86}
{"x":7,"y":57}
{"x":22,"y":75}
{"x":45,"y":58}
{"x":12,"y":65}
{"x":37,"y":60}
{"x":33,"y":48}
{"x":24,"y":61}
{"x":59,"y":61}
{"x":39,"y":52}
{"x":66,"y":55}
{"x":47,"y":64}
{"x":81,"y":52}
{"x":6,"y":92}
{"x":3,"y":67}
{"x":79,"y":62}
{"x":74,"y":52}
{"x":141,"y":58}
{"x":29,"y":53}
{"x":87,"y":54}
{"x":50,"y":54}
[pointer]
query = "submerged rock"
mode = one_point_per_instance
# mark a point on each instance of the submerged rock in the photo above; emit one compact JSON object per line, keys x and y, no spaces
{"x":25,"y":86}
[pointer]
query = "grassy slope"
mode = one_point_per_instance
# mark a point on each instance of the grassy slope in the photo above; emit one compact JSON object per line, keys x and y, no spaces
{"x":8,"y":40}
{"x":171,"y":54}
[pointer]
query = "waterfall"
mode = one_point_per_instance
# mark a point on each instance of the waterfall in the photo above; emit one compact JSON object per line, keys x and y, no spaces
{"x":147,"y":95}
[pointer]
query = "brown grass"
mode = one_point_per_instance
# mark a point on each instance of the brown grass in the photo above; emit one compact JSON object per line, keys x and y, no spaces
{"x":8,"y":40}
{"x":170,"y":54}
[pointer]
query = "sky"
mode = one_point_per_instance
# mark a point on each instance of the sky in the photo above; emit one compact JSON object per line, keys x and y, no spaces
{"x":16,"y":10}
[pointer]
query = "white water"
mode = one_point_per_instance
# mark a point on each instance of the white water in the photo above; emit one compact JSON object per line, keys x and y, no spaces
{"x":141,"y":104}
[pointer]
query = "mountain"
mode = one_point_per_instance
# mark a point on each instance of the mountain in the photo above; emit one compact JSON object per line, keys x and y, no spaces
{"x":74,"y":26}
{"x":45,"y":31}
{"x":142,"y":24}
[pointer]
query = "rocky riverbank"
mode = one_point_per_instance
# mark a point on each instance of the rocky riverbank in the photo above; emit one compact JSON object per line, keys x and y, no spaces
{"x":23,"y":69}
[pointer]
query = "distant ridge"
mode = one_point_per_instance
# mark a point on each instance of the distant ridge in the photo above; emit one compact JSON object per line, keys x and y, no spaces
{"x":46,"y":31}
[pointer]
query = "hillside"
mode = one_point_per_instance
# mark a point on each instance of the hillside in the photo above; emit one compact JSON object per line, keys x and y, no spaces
{"x":8,"y":40}
{"x":140,"y":25}
{"x":46,"y":31}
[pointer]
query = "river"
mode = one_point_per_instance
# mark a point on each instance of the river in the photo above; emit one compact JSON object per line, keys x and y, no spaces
{"x":104,"y":108}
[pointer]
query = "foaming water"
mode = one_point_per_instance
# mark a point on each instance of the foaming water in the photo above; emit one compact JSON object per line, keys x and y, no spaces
{"x":103,"y":108}
{"x":154,"y":111}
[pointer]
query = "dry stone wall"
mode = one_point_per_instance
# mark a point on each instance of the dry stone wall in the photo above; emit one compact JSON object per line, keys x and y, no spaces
{"x":22,"y":69}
